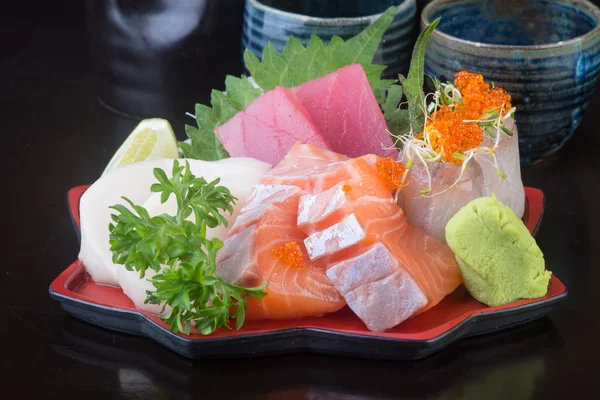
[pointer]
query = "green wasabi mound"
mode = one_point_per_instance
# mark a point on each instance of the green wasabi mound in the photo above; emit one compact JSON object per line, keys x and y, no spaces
{"x":499,"y":259}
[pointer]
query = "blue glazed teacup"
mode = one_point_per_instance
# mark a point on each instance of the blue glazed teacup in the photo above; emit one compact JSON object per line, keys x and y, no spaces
{"x":276,"y":20}
{"x":545,"y":53}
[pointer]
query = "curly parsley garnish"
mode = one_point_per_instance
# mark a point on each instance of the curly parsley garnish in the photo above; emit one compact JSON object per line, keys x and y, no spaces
{"x":176,"y":247}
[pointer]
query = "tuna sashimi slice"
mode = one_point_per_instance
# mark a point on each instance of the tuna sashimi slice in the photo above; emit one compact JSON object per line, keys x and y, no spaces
{"x":246,"y":259}
{"x":269,"y":127}
{"x":345,"y":111}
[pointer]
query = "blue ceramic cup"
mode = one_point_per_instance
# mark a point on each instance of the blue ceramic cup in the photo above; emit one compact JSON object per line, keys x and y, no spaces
{"x":276,"y":20}
{"x":545,"y":53}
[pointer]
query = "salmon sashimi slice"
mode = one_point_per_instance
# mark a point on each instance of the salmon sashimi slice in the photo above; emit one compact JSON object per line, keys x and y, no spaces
{"x":346,"y":112}
{"x":247,"y":258}
{"x":368,"y":214}
{"x":268,"y":128}
{"x":377,"y":288}
{"x":314,"y":169}
{"x":261,"y":199}
{"x":374,"y":257}
{"x":320,"y":210}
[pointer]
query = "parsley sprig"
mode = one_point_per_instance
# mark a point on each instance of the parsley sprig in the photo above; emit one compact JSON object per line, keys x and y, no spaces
{"x":176,"y":247}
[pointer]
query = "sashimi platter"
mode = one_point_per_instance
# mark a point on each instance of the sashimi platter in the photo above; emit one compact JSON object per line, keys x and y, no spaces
{"x":317,"y":207}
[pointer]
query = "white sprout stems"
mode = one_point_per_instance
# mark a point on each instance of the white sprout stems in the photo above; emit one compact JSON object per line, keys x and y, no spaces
{"x":463,"y":168}
{"x":423,"y":150}
{"x":498,"y":131}
{"x":429,"y":180}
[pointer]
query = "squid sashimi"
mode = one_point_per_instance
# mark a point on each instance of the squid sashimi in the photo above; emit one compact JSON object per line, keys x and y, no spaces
{"x":345,"y":111}
{"x":269,"y":127}
{"x":374,"y":257}
{"x":265,"y":245}
{"x":469,"y":149}
{"x":134,"y":181}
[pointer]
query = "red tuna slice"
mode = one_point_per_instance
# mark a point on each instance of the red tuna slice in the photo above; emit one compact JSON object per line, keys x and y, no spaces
{"x":345,"y":111}
{"x":269,"y":127}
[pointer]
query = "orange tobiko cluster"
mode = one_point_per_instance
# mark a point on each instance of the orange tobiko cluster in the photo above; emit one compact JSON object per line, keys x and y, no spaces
{"x":290,"y":253}
{"x":449,"y":134}
{"x":453,"y":129}
{"x":478,"y":97}
{"x":391,"y":172}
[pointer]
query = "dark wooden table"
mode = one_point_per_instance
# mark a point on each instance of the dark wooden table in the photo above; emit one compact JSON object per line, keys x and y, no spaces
{"x":56,"y":135}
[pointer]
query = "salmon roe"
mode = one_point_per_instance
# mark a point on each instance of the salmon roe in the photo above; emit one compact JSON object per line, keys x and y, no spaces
{"x":448,"y":132}
{"x":346,"y":188}
{"x":390,"y":172}
{"x":290,"y":253}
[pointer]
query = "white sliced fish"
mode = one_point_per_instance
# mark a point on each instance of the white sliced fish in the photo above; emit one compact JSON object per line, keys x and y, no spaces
{"x":134,"y":181}
{"x":432,"y":212}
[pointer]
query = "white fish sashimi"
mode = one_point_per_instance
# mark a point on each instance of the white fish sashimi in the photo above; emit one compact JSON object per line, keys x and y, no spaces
{"x":238,"y":174}
{"x":510,"y":190}
{"x":133,"y":182}
{"x":432,"y":212}
{"x":137,"y":289}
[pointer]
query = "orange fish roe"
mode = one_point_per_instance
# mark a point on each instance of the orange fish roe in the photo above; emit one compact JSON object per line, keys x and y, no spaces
{"x":346,"y":188}
{"x":390,"y":172}
{"x":290,"y":253}
{"x":448,"y":133}
{"x":478,"y":97}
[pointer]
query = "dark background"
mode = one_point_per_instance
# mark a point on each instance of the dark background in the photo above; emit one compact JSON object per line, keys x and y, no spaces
{"x":55,"y":135}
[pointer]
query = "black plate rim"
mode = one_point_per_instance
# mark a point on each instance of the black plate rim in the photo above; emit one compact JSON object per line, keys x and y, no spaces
{"x":468,"y":327}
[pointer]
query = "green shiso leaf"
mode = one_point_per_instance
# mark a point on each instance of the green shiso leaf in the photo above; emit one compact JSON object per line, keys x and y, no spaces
{"x":298,"y":64}
{"x":413,"y":83}
{"x":295,"y":65}
{"x":204,"y":143}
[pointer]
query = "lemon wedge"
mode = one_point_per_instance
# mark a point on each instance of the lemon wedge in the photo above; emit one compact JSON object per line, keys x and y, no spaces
{"x":152,"y":139}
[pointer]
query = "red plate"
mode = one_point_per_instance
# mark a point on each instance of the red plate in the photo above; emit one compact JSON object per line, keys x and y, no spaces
{"x":458,"y":315}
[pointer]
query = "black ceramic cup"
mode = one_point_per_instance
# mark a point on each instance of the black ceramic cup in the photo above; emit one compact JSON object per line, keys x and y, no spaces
{"x":157,"y":58}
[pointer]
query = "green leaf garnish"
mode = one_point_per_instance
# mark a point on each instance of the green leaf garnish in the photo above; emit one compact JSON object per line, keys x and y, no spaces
{"x":205,"y":145}
{"x":180,"y":252}
{"x":491,"y":131}
{"x":392,"y":101}
{"x":459,"y":156}
{"x":506,"y":130}
{"x":396,"y":119}
{"x":297,"y":64}
{"x":437,"y":84}
{"x":413,"y":83}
